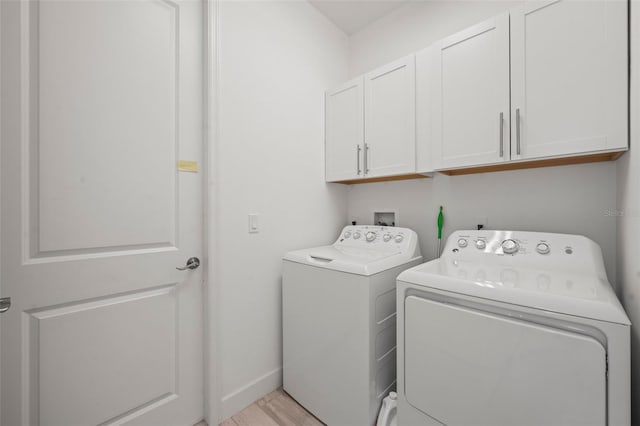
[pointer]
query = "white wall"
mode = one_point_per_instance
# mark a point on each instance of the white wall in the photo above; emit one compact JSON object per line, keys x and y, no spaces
{"x":275,"y":61}
{"x":629,"y":221}
{"x":413,"y":27}
{"x":568,"y":199}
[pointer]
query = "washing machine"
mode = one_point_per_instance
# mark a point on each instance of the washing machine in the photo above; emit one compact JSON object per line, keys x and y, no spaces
{"x":339,"y":322}
{"x":512,"y":328}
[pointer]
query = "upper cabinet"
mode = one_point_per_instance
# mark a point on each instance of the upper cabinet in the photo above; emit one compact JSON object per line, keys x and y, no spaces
{"x":546,"y":82}
{"x":370,"y":129}
{"x":389,"y":119}
{"x":543,"y":84}
{"x":424,"y":122}
{"x":344,"y":131}
{"x":471,"y":96}
{"x":568,"y":78}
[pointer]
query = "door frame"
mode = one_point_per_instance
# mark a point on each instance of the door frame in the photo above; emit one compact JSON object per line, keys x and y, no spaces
{"x":210,"y":168}
{"x":1,"y":231}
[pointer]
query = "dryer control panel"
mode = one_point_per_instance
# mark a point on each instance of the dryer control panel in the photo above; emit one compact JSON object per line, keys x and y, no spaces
{"x":543,"y":250}
{"x":552,"y":272}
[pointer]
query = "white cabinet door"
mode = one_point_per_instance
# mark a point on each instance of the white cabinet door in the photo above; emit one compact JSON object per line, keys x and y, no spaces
{"x":390,"y":119}
{"x":344,"y":127}
{"x":471,"y":96}
{"x":424,"y":73}
{"x":569,"y":78}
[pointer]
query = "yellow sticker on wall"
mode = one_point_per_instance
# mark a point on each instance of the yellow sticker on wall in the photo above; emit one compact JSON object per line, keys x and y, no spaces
{"x":187,"y":166}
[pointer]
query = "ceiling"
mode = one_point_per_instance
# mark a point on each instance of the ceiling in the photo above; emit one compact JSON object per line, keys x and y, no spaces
{"x":352,"y":15}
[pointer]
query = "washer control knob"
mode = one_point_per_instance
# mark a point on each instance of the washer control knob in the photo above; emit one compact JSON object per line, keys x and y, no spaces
{"x":356,"y":235}
{"x":481,"y":244}
{"x":543,"y":248}
{"x":347,"y":234}
{"x":398,"y":238}
{"x":370,"y":236}
{"x":387,"y":237}
{"x":510,"y":246}
{"x":462,"y":242}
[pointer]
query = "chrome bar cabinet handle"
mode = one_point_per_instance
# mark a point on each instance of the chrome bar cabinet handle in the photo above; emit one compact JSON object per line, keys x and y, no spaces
{"x":502,"y":134}
{"x":518,"y":131}
{"x":366,"y":160}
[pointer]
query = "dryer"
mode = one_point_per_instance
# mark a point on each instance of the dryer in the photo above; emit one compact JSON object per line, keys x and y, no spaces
{"x":339,"y":322}
{"x":512,"y":328}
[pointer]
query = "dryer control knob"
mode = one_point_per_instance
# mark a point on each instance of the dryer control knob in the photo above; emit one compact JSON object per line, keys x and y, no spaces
{"x":462,"y":242}
{"x":510,"y":246}
{"x":387,"y":237}
{"x":399,"y":238}
{"x":481,"y":244}
{"x":371,"y":236}
{"x":347,"y":234}
{"x":543,"y":248}
{"x":356,"y":235}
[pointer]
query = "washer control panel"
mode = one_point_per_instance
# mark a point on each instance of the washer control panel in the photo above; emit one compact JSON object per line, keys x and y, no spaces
{"x":376,"y":236}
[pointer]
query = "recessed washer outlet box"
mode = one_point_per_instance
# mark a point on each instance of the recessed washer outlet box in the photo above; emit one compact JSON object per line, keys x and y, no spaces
{"x":385,"y":217}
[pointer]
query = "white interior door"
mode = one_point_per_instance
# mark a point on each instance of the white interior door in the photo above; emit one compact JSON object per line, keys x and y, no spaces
{"x":568,"y":77}
{"x":100,"y":100}
{"x":471,"y":96}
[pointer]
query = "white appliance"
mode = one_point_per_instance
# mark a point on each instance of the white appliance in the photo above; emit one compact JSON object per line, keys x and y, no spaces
{"x":512,"y":328}
{"x":339,"y":322}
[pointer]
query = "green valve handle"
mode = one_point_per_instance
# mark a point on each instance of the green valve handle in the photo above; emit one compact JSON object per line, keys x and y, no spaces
{"x":440,"y":222}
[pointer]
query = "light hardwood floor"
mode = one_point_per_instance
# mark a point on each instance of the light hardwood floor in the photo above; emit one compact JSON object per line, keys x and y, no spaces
{"x":274,"y":409}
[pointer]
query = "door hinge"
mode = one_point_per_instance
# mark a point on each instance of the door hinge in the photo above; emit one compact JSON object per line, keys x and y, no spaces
{"x":5,"y":304}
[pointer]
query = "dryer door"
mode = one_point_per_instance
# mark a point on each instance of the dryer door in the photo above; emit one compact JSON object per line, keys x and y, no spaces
{"x":467,"y":367}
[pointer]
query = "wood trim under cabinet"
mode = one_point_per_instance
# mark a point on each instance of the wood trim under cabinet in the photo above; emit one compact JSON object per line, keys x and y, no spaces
{"x":383,"y":179}
{"x":549,"y":162}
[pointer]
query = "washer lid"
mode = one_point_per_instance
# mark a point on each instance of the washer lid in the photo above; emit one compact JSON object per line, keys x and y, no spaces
{"x":353,"y":260}
{"x":571,"y":293}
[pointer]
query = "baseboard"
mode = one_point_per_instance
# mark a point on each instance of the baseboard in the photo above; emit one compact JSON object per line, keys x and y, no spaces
{"x":251,"y":392}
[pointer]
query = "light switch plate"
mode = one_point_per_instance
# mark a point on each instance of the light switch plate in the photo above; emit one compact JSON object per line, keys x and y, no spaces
{"x":254,"y":226}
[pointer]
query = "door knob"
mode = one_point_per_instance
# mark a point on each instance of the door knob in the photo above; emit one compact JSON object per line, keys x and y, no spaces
{"x":5,"y":304}
{"x":192,"y":263}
